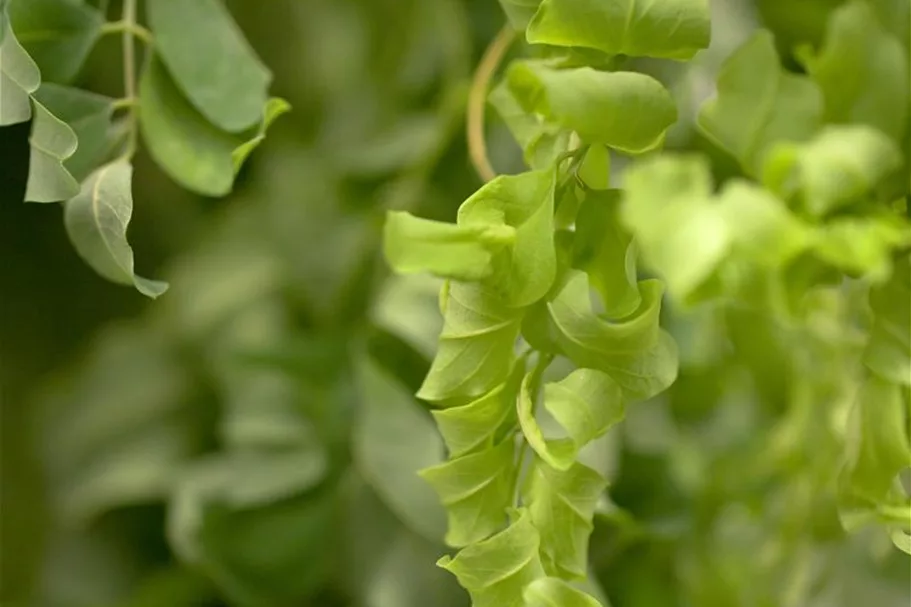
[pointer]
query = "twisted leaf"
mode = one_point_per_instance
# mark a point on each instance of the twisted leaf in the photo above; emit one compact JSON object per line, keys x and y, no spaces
{"x":554,"y":592}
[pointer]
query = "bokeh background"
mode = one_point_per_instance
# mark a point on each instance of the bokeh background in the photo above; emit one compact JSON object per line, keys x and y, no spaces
{"x":221,"y":446}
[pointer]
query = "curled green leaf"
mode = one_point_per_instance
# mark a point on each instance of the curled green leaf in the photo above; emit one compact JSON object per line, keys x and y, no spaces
{"x":475,"y":489}
{"x":96,"y":221}
{"x":671,"y":29}
{"x":554,"y":592}
{"x":623,"y":110}
{"x":496,"y":571}
{"x":51,"y":142}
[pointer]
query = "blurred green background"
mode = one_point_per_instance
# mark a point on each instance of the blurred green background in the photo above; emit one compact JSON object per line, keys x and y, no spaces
{"x":249,"y":438}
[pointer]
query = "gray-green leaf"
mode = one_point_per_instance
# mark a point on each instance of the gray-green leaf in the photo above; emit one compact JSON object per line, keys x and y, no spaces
{"x":96,"y":222}
{"x":52,"y":142}
{"x":19,"y":78}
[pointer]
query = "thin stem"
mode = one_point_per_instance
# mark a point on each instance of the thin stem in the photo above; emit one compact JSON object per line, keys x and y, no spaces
{"x":477,"y":98}
{"x":129,"y":72}
{"x":120,"y":27}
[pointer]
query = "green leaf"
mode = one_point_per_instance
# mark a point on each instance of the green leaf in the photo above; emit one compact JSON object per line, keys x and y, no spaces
{"x":861,"y":245}
{"x":838,"y":167}
{"x":408,"y":307}
{"x":604,"y":249}
{"x":196,"y":154}
{"x":412,"y":244}
{"x":640,"y":357}
{"x":888,"y":353}
{"x":519,"y":12}
{"x":496,"y":571}
{"x":52,"y":142}
{"x":89,"y":115}
{"x":597,"y":105}
{"x":541,"y":141}
{"x":554,"y":592}
{"x":878,"y":446}
{"x":58,"y":34}
{"x":96,"y":222}
{"x":210,"y":61}
{"x":586,"y":403}
{"x":594,"y":171}
{"x":759,"y":104}
{"x":863,"y":71}
{"x":473,"y":427}
{"x":524,"y":272}
{"x":246,"y":521}
{"x":19,"y":77}
{"x":393,"y":439}
{"x":476,"y":489}
{"x":561,"y":504}
{"x":477,"y":345}
{"x":672,"y":29}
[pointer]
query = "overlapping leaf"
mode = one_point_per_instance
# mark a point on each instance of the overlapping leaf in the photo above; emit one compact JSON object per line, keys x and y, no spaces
{"x":674,"y":29}
{"x":52,"y":142}
{"x":554,"y":592}
{"x":623,"y":110}
{"x":561,"y":504}
{"x":96,"y":221}
{"x":863,"y":71}
{"x":210,"y":61}
{"x":586,"y":403}
{"x":640,"y":357}
{"x":476,"y":489}
{"x":496,"y":571}
{"x":541,"y":141}
{"x":759,"y":104}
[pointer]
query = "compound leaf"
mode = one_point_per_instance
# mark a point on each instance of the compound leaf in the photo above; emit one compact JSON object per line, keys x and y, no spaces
{"x":759,"y":104}
{"x":476,"y":489}
{"x":623,"y":110}
{"x":96,"y":221}
{"x":210,"y":61}
{"x":496,"y":570}
{"x":675,"y":29}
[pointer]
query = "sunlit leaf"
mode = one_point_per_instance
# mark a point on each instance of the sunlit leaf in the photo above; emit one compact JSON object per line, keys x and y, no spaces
{"x":96,"y":221}
{"x":554,"y":592}
{"x":211,"y":62}
{"x":675,"y":29}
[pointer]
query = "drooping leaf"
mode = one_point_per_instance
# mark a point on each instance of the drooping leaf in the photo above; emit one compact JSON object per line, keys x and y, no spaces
{"x":496,"y":571}
{"x":412,"y":244}
{"x":246,"y":520}
{"x":476,"y":489}
{"x":675,"y":29}
{"x":196,"y":154}
{"x":523,"y":273}
{"x":640,"y":357}
{"x":211,"y":62}
{"x":603,"y":248}
{"x":586,"y":403}
{"x":839,"y":166}
{"x":597,"y":105}
{"x":519,"y":12}
{"x":561,"y":504}
{"x":96,"y":221}
{"x":392,"y":441}
{"x":862,"y":70}
{"x":888,"y":353}
{"x":58,"y":34}
{"x":476,"y":347}
{"x":759,"y":104}
{"x":19,"y":78}
{"x":554,"y":592}
{"x":472,"y":427}
{"x":89,"y":115}
{"x":52,"y":142}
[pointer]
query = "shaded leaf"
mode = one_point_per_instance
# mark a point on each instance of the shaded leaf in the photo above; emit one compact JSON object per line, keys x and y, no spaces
{"x":496,"y":571}
{"x":210,"y":61}
{"x":96,"y":221}
{"x":519,"y":12}
{"x":586,"y":403}
{"x":476,"y":489}
{"x":408,"y":307}
{"x":58,"y":34}
{"x":675,"y":29}
{"x":393,"y":439}
{"x":19,"y":77}
{"x":888,"y":353}
{"x":52,"y":142}
{"x":863,"y":71}
{"x":599,"y":106}
{"x":759,"y":104}
{"x":476,"y":347}
{"x":554,"y":592}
